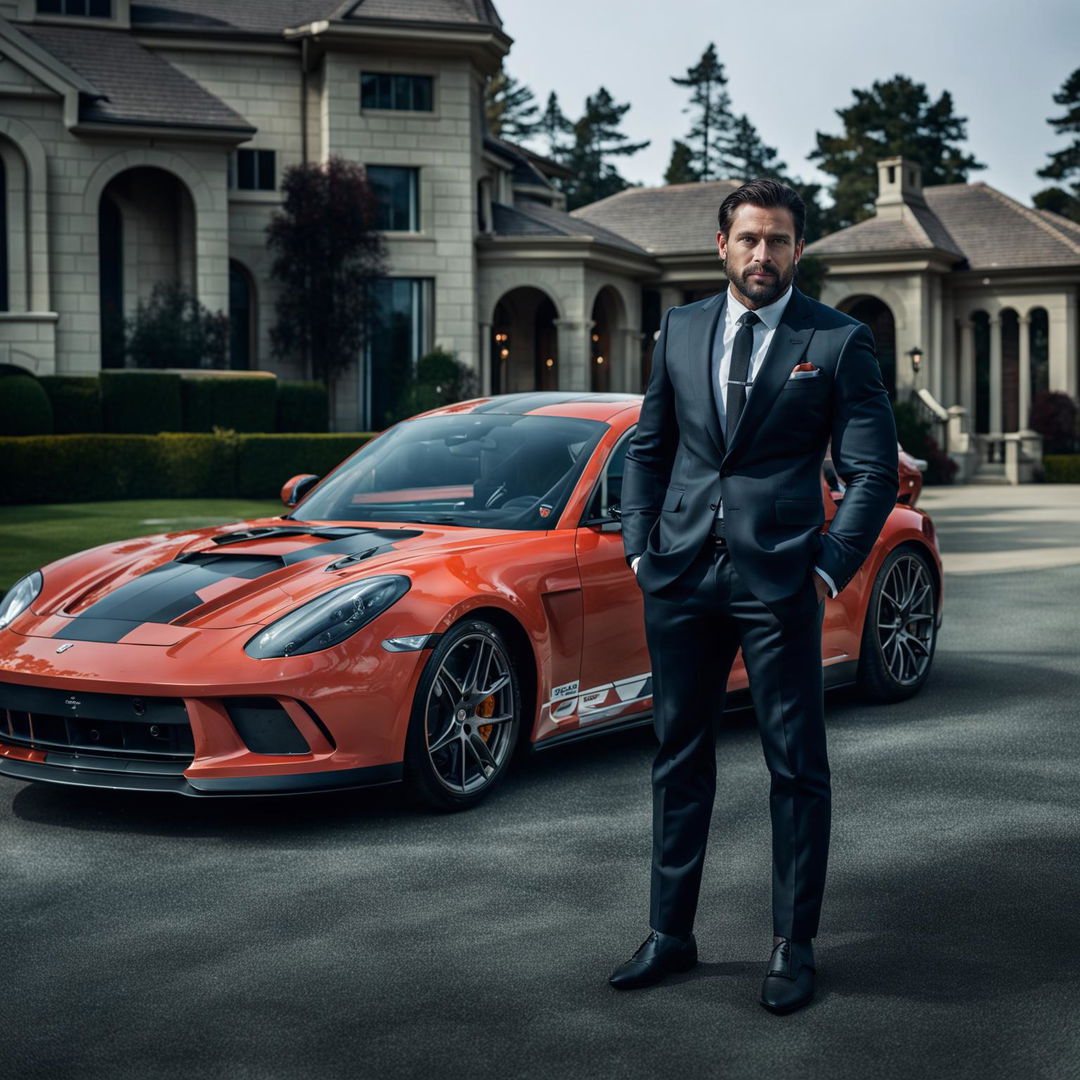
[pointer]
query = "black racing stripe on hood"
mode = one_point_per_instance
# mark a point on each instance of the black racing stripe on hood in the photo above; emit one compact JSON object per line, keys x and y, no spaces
{"x":519,"y":404}
{"x":170,"y":591}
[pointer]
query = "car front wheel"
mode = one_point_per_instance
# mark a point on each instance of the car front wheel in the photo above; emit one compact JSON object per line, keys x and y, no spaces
{"x":901,"y":628}
{"x":465,"y":717}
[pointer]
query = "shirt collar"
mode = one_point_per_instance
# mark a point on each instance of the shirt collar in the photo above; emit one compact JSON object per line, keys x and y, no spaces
{"x":770,"y":315}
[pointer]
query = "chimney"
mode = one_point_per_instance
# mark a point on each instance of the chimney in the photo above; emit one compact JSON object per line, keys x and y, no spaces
{"x":899,"y":184}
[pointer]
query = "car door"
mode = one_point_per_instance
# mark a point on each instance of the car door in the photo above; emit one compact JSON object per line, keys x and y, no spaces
{"x":615,"y":680}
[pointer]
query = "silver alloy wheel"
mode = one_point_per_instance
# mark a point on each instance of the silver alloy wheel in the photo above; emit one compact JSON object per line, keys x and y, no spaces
{"x":468,"y":714}
{"x":905,"y":620}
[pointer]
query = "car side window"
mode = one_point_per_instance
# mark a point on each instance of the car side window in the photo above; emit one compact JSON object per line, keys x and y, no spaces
{"x":608,"y":491}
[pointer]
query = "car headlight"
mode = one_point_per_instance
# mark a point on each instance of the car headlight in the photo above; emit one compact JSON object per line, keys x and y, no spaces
{"x":19,"y":597}
{"x":329,"y":619}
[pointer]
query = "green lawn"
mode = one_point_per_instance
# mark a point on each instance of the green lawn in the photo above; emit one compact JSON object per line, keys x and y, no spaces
{"x":31,"y":536}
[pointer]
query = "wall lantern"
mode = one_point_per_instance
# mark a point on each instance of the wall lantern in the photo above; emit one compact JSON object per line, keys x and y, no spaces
{"x":916,"y":358}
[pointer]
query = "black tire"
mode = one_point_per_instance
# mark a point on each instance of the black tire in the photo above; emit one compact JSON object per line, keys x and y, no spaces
{"x":465,"y":718}
{"x":900,"y":633}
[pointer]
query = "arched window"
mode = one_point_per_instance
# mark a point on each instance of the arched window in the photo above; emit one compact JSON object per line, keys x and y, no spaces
{"x":241,"y":317}
{"x":879,"y":317}
{"x":1039,"y":330}
{"x":981,"y":321}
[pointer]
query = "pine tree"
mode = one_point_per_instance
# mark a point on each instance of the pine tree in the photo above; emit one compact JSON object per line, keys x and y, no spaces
{"x":745,"y":156}
{"x":552,"y":125}
{"x":596,"y":138}
{"x":1065,"y":163}
{"x":709,"y":98}
{"x":891,"y":118}
{"x":680,"y":169}
{"x":510,"y":107}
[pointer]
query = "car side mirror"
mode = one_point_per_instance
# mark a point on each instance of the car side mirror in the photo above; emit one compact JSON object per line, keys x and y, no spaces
{"x":293,"y":490}
{"x":609,"y":522}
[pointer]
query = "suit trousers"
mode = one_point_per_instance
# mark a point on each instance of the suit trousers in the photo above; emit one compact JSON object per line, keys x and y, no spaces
{"x":694,"y":628}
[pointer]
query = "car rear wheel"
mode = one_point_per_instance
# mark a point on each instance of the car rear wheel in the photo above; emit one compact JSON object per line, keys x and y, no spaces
{"x":901,"y":628}
{"x":465,"y":717}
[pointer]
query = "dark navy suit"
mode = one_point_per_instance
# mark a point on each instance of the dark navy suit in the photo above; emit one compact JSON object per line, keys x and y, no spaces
{"x":703,"y":601}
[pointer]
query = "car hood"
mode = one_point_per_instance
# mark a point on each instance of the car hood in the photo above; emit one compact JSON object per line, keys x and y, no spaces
{"x":156,"y":590}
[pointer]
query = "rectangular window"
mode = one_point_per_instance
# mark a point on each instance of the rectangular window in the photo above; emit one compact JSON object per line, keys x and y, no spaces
{"x":97,"y":9}
{"x":397,"y":191}
{"x":397,"y":338}
{"x":406,"y":93}
{"x":253,"y":170}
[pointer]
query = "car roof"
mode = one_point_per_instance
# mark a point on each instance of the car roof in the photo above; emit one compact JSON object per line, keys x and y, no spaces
{"x":581,"y":404}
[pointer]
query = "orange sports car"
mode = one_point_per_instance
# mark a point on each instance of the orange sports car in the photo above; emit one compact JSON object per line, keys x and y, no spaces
{"x":456,"y":588}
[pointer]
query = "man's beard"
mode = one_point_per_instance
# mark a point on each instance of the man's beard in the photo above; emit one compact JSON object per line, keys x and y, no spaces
{"x":762,"y":293}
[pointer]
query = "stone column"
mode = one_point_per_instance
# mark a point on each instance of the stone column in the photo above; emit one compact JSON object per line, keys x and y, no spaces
{"x":574,"y":353}
{"x":1024,"y":393}
{"x":484,"y":374}
{"x":997,"y":420}
{"x":1072,"y":347}
{"x":670,"y":297}
{"x":628,"y":373}
{"x":966,"y":389}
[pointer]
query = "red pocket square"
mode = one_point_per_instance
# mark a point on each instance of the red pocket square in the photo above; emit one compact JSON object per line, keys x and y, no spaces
{"x":804,"y":367}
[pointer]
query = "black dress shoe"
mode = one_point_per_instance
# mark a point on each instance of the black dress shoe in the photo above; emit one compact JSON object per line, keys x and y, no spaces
{"x":659,"y":955}
{"x":789,"y":982}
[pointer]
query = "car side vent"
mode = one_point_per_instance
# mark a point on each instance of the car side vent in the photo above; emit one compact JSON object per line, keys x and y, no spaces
{"x":265,"y":726}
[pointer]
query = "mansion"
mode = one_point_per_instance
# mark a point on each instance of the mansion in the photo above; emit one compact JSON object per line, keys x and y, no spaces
{"x":145,"y":142}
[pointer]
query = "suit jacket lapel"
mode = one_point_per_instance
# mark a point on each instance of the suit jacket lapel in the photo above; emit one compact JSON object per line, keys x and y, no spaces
{"x":703,"y":329}
{"x":788,"y":344}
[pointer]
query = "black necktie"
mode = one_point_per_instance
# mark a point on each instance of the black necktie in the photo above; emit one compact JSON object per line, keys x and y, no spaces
{"x":740,"y":369}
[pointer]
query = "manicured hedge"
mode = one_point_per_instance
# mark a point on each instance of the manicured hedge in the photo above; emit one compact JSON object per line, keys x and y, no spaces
{"x":302,"y":406}
{"x":1061,"y":468}
{"x":87,"y":468}
{"x":239,"y":403}
{"x":265,"y":462}
{"x":76,"y":402}
{"x":24,"y":406}
{"x":141,"y":402}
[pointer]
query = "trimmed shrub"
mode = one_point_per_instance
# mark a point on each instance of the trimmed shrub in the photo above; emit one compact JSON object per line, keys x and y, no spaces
{"x":441,"y":379}
{"x":91,"y":468}
{"x":265,"y":462}
{"x":302,"y":406}
{"x":140,"y":402}
{"x":1061,"y":469}
{"x":76,"y":402}
{"x":24,"y":406}
{"x":173,"y":330}
{"x":1054,"y":417}
{"x":236,"y":402}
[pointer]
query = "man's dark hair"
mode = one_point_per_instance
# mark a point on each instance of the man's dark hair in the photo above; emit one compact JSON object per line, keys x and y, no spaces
{"x":769,"y":194}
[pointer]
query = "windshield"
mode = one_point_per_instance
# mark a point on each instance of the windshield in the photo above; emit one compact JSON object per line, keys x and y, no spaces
{"x":490,"y":470}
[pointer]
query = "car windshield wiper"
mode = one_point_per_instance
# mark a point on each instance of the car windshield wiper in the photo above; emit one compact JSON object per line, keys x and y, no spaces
{"x":264,"y":531}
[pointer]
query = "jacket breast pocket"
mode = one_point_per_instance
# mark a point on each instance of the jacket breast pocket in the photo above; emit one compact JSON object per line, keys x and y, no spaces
{"x":800,"y":512}
{"x":673,"y":499}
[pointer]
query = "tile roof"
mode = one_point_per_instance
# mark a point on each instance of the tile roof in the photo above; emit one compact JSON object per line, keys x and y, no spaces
{"x":275,"y":16}
{"x":679,"y":218}
{"x":139,"y":86}
{"x":528,"y":218}
{"x":974,"y":221}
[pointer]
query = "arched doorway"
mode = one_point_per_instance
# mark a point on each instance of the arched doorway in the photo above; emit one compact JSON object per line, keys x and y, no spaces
{"x":981,"y":324}
{"x":242,"y":317}
{"x":607,"y":328}
{"x":879,"y":317}
{"x":524,"y":342}
{"x":1039,"y":341}
{"x":1010,"y":370}
{"x":146,"y":237}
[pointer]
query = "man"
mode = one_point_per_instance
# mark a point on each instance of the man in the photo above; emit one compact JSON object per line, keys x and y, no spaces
{"x":722,"y":514}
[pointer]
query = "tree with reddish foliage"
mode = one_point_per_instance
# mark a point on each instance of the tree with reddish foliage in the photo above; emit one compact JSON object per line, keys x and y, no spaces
{"x":327,"y":254}
{"x":1054,"y":417}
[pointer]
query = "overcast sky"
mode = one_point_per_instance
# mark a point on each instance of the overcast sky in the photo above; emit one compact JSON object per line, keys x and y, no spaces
{"x":791,"y":64}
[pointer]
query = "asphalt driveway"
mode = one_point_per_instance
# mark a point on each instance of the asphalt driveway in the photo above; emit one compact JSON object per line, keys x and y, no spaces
{"x":354,"y":936}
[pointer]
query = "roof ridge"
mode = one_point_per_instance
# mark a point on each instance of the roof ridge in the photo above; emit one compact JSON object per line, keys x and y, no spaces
{"x":913,"y":218}
{"x":1034,"y":217}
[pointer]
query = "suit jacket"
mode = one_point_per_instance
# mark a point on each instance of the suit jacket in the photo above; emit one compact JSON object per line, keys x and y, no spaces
{"x":679,"y":465}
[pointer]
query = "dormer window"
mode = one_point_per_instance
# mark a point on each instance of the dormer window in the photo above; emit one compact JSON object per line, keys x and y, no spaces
{"x":93,"y":9}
